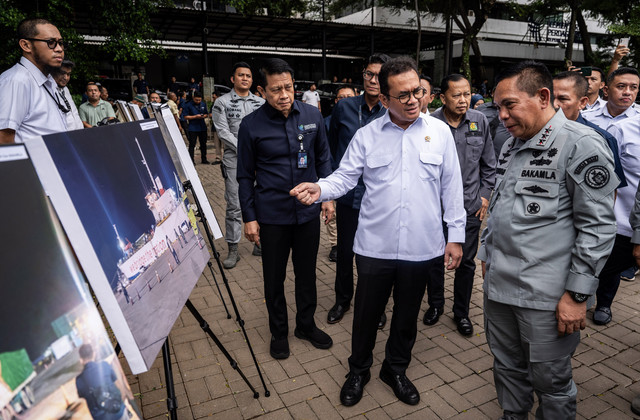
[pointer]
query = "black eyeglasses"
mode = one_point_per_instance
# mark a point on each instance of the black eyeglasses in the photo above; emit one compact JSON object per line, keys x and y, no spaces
{"x":51,"y":43}
{"x":404,"y":98}
{"x":369,"y":75}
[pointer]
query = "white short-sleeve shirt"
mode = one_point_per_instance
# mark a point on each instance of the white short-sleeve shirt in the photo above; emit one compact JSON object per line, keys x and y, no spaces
{"x":26,"y":107}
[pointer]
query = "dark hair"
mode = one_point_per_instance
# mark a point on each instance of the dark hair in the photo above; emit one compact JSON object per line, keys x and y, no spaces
{"x":599,"y":70}
{"x":455,"y":77}
{"x":377,"y":58}
{"x":68,"y":63}
{"x":428,"y":79}
{"x":274,"y":66}
{"x":393,"y":67}
{"x":621,"y":71}
{"x":196,"y":94}
{"x":240,"y":64}
{"x":345,"y":87}
{"x":92,"y":84}
{"x":27,"y":27}
{"x":85,"y":351}
{"x":531,"y":77}
{"x":580,"y":83}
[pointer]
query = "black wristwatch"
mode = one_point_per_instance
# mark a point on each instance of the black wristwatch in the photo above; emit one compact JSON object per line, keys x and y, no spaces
{"x":578,"y":297}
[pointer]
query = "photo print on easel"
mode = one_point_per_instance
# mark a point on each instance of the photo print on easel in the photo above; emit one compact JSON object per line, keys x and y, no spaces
{"x":53,"y":345}
{"x":123,"y":206}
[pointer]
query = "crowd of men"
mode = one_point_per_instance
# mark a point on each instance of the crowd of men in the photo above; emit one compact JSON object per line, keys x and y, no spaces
{"x":551,"y":166}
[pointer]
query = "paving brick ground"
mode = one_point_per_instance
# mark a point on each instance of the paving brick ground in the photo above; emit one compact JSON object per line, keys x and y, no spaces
{"x":453,"y":373}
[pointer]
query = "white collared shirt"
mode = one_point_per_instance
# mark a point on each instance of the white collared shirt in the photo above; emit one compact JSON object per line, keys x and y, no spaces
{"x":603,"y":119}
{"x":597,"y":105}
{"x":407,"y":175}
{"x":627,"y":133}
{"x":25,"y":106}
{"x":73,"y":118}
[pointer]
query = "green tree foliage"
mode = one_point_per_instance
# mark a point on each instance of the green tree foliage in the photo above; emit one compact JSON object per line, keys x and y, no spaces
{"x":281,"y":8}
{"x":124,"y":23}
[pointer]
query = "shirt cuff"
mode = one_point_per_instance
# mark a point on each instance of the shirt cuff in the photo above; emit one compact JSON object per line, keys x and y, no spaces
{"x":485,"y":193}
{"x":581,"y":283}
{"x":482,"y":253}
{"x":635,"y":237}
{"x":324,"y":191}
{"x":455,"y":235}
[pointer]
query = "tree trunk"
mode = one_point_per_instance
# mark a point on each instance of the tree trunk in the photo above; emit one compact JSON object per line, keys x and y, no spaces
{"x":465,"y":68}
{"x":419,"y":22}
{"x":586,"y":39}
{"x":568,"y":54}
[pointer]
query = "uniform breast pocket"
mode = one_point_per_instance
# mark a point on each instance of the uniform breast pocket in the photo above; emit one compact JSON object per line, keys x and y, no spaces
{"x":430,"y":168}
{"x":535,"y":201}
{"x":378,"y":167}
{"x":474,"y":146}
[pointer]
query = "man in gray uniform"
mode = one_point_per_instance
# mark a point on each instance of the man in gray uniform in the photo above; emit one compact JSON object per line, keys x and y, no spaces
{"x":228,"y":111}
{"x":550,"y":230}
{"x":470,"y":131}
{"x":634,"y":221}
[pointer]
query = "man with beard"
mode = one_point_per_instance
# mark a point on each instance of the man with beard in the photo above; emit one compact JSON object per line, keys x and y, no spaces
{"x":31,"y":105}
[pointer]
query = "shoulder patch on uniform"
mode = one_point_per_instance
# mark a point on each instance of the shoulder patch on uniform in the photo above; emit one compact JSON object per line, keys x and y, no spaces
{"x":597,"y":176}
{"x":584,"y":164}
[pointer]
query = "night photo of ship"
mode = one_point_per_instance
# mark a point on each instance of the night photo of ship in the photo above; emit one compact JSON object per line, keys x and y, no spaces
{"x":131,"y":203}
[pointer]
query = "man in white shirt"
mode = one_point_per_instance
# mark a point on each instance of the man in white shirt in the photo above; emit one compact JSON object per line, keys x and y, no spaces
{"x":621,"y":90}
{"x":62,"y":77}
{"x":596,"y":84}
{"x":410,"y":169}
{"x":30,"y":105}
{"x":312,"y":97}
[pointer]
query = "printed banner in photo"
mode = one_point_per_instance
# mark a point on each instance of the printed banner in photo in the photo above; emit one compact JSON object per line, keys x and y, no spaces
{"x":56,"y":360}
{"x":122,"y":204}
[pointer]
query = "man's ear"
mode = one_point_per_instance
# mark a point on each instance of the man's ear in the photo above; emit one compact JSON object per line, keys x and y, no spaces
{"x":583,"y":102}
{"x":385,"y":101}
{"x":25,"y":45}
{"x":261,"y":90}
{"x":545,"y":97}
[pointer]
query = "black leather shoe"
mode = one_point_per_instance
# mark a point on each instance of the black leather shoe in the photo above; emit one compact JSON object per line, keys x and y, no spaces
{"x":351,"y":392}
{"x":279,"y":348}
{"x":383,"y":321}
{"x":319,"y":339}
{"x":432,"y":315}
{"x":333,"y":254}
{"x":401,"y":385}
{"x":465,"y":327}
{"x":336,"y":313}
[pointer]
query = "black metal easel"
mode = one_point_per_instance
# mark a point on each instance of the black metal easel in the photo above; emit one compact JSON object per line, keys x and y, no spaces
{"x":187,"y":186}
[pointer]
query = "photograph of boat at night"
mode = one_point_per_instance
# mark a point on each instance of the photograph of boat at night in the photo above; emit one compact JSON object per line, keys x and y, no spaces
{"x":128,"y":218}
{"x":56,"y":359}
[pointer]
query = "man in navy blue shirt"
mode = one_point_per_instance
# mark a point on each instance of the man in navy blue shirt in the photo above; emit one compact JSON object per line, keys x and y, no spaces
{"x":280,"y":145}
{"x":195,"y":111}
{"x":346,"y":118}
{"x":569,"y":92}
{"x":141,"y":87}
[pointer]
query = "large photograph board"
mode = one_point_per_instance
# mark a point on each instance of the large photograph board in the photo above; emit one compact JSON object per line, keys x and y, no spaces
{"x":121,"y":201}
{"x":52,"y":340}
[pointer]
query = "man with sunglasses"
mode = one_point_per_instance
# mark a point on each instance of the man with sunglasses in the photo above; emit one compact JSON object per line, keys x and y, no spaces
{"x":347,"y":117}
{"x":31,"y":105}
{"x":410,"y":168}
{"x":470,"y":130}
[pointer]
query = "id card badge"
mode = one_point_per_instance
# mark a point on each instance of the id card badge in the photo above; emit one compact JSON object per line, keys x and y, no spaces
{"x":303,"y":159}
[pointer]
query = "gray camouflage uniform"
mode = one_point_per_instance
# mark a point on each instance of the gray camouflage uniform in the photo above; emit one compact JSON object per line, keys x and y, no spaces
{"x":228,"y":112}
{"x":551,"y":229}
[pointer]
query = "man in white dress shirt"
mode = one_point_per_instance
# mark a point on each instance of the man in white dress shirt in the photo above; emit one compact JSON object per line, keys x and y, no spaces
{"x":62,"y":77}
{"x":621,"y":90}
{"x":410,"y":169}
{"x":30,"y":105}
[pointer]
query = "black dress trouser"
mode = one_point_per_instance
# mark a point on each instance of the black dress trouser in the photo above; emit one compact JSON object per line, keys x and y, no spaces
{"x":303,"y":241}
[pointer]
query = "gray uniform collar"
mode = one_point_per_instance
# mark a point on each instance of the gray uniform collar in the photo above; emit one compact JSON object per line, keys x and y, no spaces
{"x":546,"y":136}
